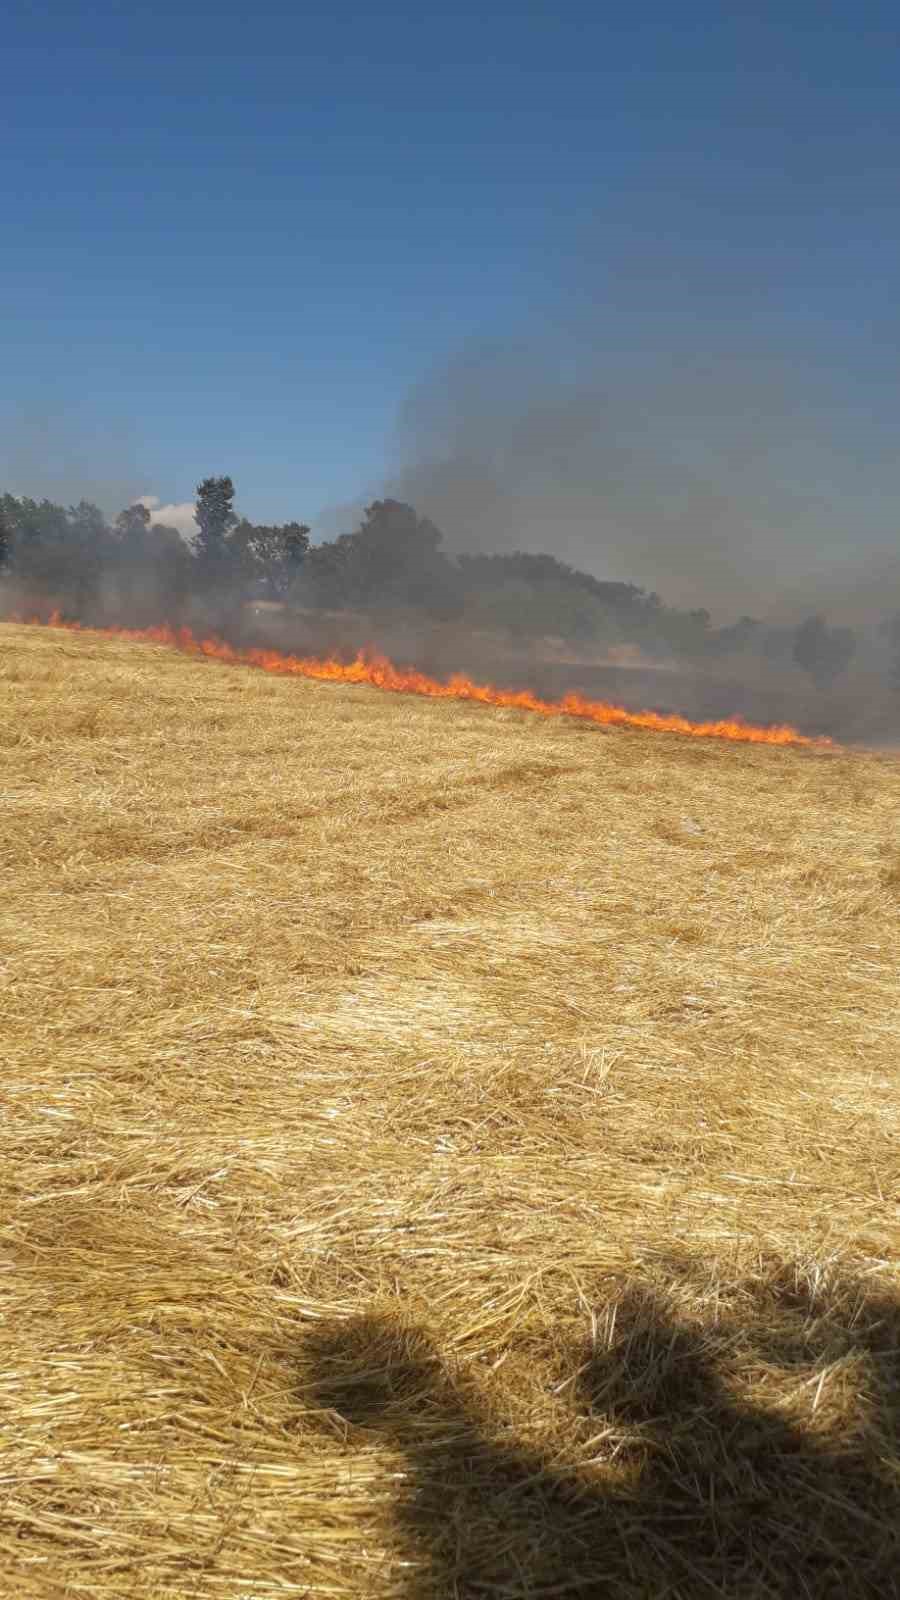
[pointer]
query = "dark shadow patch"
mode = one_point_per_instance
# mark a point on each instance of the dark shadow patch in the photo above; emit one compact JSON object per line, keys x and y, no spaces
{"x":696,"y":1464}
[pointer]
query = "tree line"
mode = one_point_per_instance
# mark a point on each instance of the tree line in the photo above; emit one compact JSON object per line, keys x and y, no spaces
{"x":394,"y":561}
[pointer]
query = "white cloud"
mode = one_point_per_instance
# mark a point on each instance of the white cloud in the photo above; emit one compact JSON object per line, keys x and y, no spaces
{"x":179,"y":515}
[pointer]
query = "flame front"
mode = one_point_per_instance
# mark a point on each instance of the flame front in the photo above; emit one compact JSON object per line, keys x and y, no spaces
{"x":380,"y":673}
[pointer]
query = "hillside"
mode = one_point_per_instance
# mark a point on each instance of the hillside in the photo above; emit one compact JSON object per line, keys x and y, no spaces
{"x":447,"y":1152}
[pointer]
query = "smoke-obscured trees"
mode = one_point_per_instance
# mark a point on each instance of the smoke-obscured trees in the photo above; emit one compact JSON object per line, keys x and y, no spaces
{"x":267,"y":558}
{"x":534,"y":595}
{"x":738,"y":638}
{"x":132,"y":526}
{"x":253,"y":559}
{"x":393,"y":560}
{"x":890,"y":632}
{"x":142,"y":572}
{"x":52,"y":550}
{"x":823,"y":652}
{"x":151,"y":572}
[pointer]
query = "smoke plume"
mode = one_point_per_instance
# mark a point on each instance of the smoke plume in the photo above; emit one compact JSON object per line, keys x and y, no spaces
{"x":731,"y":479}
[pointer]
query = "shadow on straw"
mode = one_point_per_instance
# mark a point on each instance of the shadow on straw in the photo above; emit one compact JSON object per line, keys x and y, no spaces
{"x":751,"y":1455}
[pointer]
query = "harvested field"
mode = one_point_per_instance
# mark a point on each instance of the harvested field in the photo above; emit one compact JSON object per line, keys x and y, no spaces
{"x":446,"y":1152}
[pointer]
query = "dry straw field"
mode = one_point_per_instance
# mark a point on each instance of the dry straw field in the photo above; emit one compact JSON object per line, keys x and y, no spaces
{"x":445,"y":1152}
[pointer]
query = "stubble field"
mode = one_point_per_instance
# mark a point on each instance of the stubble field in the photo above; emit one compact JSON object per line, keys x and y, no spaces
{"x":444,"y":1152}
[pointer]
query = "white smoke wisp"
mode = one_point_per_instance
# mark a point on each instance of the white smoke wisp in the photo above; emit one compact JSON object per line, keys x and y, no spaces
{"x":176,"y":514}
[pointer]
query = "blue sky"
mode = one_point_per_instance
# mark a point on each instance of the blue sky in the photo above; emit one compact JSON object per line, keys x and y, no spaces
{"x":235,"y":238}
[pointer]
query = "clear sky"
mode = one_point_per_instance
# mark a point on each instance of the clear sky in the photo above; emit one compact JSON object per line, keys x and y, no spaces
{"x":235,"y":237}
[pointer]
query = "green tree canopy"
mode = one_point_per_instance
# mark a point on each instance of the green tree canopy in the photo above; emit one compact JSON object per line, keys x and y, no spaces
{"x":215,"y":517}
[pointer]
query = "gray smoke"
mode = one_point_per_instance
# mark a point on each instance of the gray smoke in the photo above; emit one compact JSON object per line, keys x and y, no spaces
{"x":52,"y":452}
{"x":727,"y":478}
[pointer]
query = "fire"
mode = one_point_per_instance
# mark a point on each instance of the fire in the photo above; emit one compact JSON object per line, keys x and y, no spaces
{"x":380,"y":673}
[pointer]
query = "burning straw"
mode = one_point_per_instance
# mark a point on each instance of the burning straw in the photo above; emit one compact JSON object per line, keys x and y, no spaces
{"x":377,"y":671}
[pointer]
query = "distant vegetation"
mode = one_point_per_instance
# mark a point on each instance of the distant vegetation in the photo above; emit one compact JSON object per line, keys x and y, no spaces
{"x":137,"y":569}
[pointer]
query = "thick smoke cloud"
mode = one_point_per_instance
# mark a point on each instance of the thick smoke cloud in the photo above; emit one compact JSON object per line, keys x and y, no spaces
{"x":695,"y":407}
{"x":739,"y":468}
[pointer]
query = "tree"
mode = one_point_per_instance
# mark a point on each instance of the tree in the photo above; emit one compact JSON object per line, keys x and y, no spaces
{"x":90,"y":545}
{"x":295,"y":537}
{"x":132,"y":525}
{"x":393,"y":559}
{"x":821,"y":651}
{"x":528,"y":610}
{"x":560,"y":599}
{"x":269,"y":556}
{"x":393,"y":546}
{"x":38,"y":529}
{"x":150,"y":569}
{"x":5,"y":541}
{"x":57,"y":552}
{"x":396,"y":560}
{"x":327,"y":573}
{"x":215,"y":517}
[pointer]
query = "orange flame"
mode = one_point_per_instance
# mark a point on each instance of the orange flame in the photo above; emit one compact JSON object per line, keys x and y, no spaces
{"x":377,"y":671}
